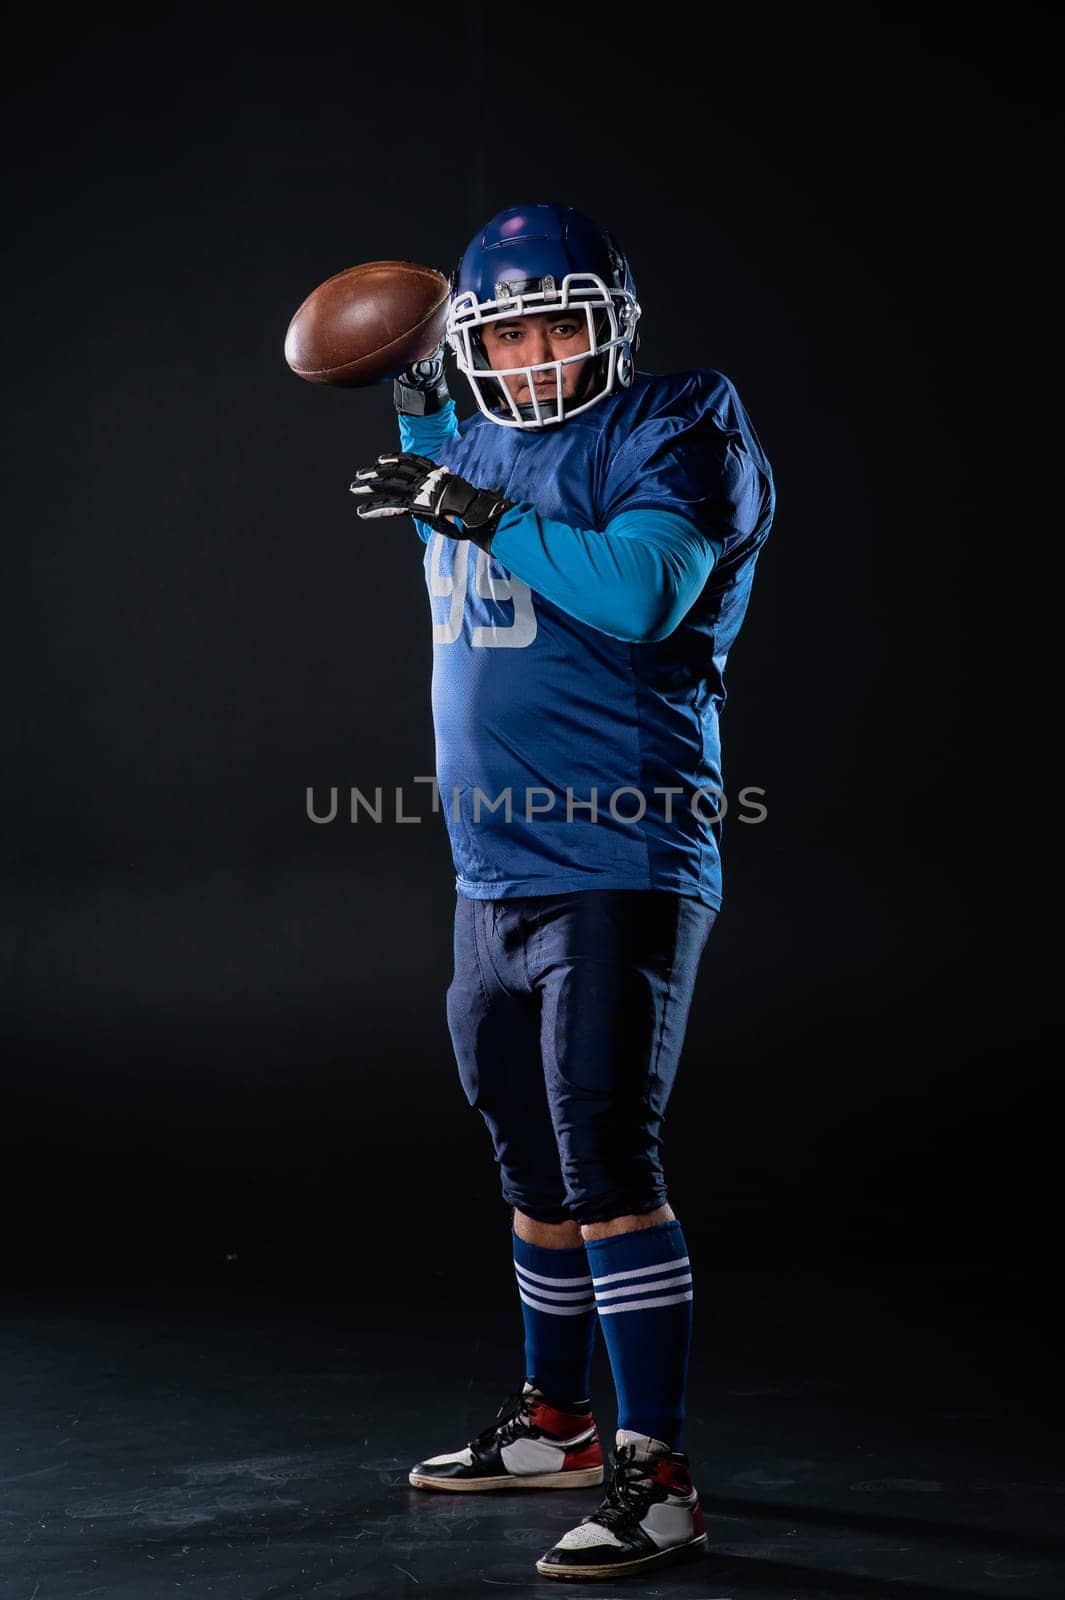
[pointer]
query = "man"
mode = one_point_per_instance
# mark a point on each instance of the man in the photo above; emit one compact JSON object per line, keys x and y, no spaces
{"x":591,"y":536}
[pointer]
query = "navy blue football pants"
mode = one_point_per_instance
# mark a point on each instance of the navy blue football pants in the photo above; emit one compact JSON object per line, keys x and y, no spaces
{"x":567,"y":1015}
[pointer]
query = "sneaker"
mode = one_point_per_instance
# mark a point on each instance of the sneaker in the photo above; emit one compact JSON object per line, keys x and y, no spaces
{"x":531,"y":1445}
{"x":650,"y":1515}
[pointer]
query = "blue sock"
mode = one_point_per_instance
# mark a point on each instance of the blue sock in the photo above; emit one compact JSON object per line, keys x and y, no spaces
{"x":558,"y":1309}
{"x":643,"y":1293}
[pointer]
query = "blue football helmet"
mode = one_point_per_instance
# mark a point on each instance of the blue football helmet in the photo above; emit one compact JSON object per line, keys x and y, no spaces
{"x":539,"y":258}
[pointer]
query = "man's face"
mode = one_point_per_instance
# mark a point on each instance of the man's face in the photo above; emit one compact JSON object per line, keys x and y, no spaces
{"x":528,"y":341}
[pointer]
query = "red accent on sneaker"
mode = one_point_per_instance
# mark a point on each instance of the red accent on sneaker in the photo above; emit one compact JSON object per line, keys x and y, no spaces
{"x":698,"y":1525}
{"x":590,"y":1455}
{"x":672,"y":1475}
{"x":559,"y":1424}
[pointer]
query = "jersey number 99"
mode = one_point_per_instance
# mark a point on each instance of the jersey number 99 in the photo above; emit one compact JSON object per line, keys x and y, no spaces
{"x":515,"y":635}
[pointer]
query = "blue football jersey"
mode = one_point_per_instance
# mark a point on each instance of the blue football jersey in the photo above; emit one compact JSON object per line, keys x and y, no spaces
{"x":566,"y":758}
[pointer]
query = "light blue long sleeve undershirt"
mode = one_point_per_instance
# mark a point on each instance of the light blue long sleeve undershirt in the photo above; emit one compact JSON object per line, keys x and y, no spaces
{"x":635,"y":579}
{"x":424,"y":436}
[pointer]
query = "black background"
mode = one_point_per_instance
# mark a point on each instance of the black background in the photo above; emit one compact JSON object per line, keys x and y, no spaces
{"x":224,"y":1026}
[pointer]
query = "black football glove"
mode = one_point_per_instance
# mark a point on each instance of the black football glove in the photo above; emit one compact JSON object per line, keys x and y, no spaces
{"x":408,"y":485}
{"x":422,"y":389}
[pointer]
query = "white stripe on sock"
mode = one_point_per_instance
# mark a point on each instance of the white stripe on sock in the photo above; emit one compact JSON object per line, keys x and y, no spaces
{"x":553,"y":1294}
{"x":581,"y":1298}
{"x":677,"y":1281}
{"x":559,"y":1283}
{"x":641,"y":1305}
{"x":643,"y":1272}
{"x":557,"y":1311}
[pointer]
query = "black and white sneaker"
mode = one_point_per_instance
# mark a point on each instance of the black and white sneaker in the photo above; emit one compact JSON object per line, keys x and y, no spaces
{"x":531,"y":1445}
{"x":650,"y":1515}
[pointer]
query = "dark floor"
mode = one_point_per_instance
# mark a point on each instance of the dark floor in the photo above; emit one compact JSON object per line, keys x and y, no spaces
{"x":242,"y":1430}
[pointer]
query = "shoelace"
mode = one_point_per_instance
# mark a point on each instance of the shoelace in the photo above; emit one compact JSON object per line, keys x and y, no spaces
{"x":630,"y":1493}
{"x":512,"y":1418}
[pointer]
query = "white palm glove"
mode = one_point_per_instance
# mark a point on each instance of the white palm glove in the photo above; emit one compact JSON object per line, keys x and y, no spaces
{"x":409,"y":485}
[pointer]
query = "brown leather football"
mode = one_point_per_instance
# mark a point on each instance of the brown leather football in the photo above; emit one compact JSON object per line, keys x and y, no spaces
{"x":367,"y":323}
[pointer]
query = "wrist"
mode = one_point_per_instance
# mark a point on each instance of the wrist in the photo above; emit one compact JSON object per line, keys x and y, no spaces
{"x":421,"y":389}
{"x":411,"y":400}
{"x":480,"y":516}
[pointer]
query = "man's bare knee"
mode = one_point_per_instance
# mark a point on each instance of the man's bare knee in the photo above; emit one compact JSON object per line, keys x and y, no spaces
{"x":548,"y":1235}
{"x":627,"y":1224}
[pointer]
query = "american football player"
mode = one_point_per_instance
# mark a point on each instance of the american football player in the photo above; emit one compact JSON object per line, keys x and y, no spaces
{"x":591,"y":534}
